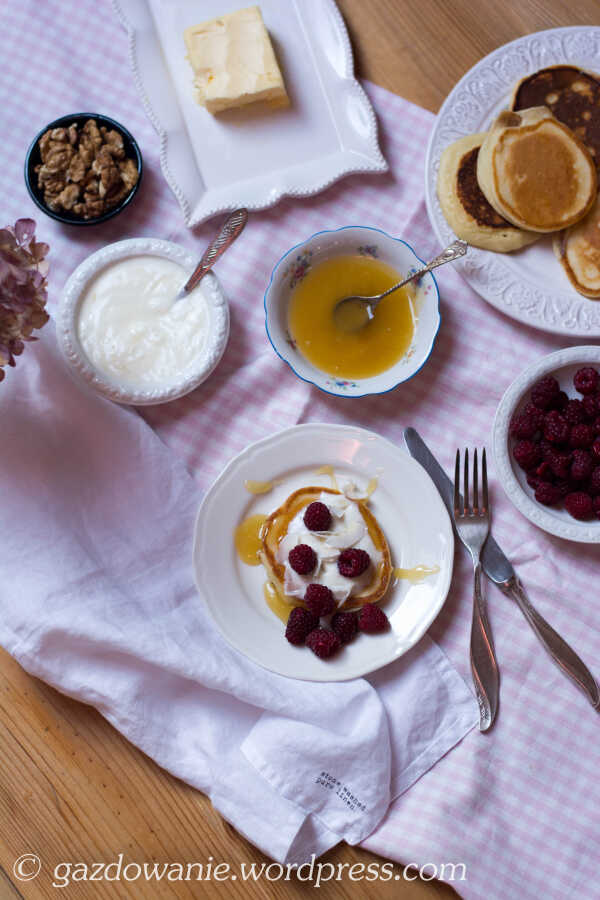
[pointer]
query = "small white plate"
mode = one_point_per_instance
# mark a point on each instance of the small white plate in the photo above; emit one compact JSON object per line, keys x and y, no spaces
{"x":556,"y":520}
{"x":529,"y":285}
{"x":405,"y":502}
{"x":245,"y":157}
{"x":68,"y":310}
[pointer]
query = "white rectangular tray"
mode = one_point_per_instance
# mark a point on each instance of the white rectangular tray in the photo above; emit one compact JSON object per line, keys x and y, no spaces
{"x":248,"y":157}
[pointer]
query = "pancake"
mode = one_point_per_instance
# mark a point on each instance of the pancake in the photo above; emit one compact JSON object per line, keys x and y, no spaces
{"x":535,"y":172}
{"x":276,"y":528}
{"x":572,"y":95}
{"x":578,"y":249}
{"x":464,"y":205}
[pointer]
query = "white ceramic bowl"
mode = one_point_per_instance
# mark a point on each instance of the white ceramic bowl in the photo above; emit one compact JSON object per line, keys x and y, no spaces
{"x":556,"y":520}
{"x":68,"y":310}
{"x":340,"y":242}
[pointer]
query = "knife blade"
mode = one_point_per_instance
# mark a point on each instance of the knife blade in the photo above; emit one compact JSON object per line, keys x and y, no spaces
{"x":499,"y":569}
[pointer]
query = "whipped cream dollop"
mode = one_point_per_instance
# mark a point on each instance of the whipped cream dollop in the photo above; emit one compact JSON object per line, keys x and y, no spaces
{"x":348,"y":529}
{"x":132,"y":330}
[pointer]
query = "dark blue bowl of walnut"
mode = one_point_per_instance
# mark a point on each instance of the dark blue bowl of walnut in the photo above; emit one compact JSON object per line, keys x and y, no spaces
{"x":34,"y":159}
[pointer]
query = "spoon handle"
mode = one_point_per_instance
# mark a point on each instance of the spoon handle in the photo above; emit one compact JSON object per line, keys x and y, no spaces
{"x":456,"y":249}
{"x":232,"y":228}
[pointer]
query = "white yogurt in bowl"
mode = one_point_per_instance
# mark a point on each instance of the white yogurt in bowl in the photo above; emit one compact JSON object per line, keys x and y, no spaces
{"x":120,"y":329}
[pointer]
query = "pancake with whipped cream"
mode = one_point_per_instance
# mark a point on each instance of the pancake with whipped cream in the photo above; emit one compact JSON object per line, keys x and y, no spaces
{"x":578,"y":249}
{"x":464,"y":205}
{"x":352,"y":526}
{"x":535,"y":171}
{"x":572,"y":95}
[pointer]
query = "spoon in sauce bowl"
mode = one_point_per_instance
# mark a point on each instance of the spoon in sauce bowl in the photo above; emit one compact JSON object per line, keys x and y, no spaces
{"x":355,"y":312}
{"x":229,"y":231}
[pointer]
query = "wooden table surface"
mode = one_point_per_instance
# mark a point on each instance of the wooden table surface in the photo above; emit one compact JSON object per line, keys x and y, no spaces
{"x":71,"y":788}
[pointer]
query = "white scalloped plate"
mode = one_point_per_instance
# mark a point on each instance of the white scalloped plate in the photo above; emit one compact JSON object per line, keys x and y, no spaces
{"x":563,"y":364}
{"x":530,"y":284}
{"x":248,"y":157}
{"x":68,"y":307}
{"x":406,"y":504}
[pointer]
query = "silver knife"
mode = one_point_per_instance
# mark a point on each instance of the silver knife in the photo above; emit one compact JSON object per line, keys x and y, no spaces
{"x":499,"y":569}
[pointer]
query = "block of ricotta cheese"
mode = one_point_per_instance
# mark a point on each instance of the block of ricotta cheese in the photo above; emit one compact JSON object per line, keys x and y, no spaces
{"x":233,"y":61}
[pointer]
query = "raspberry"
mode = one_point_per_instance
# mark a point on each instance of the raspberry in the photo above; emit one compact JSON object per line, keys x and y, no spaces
{"x":353,"y":562}
{"x":302,"y":559}
{"x":371,"y":619}
{"x":579,"y":505}
{"x":521,"y":426}
{"x":319,"y":600}
{"x":556,"y":428}
{"x":323,"y":642}
{"x":594,"y":484}
{"x":345,"y":625}
{"x":586,"y":380}
{"x":544,"y":471}
{"x":563,"y":486}
{"x":559,"y":462}
{"x":591,"y":406}
{"x":544,"y":392}
{"x":299,"y":625}
{"x":527,"y":454}
{"x":596,"y":450}
{"x":582,"y":465}
{"x":581,"y":436}
{"x":596,"y":426}
{"x":534,"y":413}
{"x":526,"y":423}
{"x":559,"y":401}
{"x":317,"y":517}
{"x":547,"y":493}
{"x":596,"y":505}
{"x":532,"y":480}
{"x":574,"y":412}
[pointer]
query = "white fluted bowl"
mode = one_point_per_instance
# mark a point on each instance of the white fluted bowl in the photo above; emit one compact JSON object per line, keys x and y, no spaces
{"x":120,"y":392}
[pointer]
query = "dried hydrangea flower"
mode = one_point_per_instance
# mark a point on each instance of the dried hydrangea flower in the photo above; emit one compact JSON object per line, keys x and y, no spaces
{"x":23,"y":292}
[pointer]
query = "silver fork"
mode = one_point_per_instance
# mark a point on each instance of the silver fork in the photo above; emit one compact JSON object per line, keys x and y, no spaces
{"x":472,"y":525}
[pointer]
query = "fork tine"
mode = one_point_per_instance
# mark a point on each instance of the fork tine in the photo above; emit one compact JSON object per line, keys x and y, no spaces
{"x":466,"y":484}
{"x":457,"y":510}
{"x":485,"y":484}
{"x":475,"y":484}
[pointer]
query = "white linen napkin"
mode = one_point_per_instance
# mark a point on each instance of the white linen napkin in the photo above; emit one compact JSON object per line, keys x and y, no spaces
{"x":98,"y":599}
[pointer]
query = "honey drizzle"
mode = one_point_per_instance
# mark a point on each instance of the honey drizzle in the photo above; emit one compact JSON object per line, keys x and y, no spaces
{"x":415,"y":575}
{"x":247,"y":539}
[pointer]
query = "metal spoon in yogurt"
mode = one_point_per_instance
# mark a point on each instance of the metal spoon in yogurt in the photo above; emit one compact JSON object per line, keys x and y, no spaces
{"x":353,"y":313}
{"x":232,"y":228}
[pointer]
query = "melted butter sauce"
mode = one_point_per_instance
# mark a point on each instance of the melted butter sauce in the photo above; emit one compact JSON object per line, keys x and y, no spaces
{"x":328,"y":470}
{"x":275,"y":602}
{"x":260,"y":487}
{"x":247,"y":539}
{"x":372,"y":485}
{"x":359,"y":354}
{"x":415,"y":575}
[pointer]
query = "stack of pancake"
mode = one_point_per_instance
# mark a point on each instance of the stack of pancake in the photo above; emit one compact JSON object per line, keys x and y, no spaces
{"x":534,"y":172}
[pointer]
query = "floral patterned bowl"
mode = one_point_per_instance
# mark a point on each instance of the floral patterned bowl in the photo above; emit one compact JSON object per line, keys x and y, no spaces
{"x":351,"y":239}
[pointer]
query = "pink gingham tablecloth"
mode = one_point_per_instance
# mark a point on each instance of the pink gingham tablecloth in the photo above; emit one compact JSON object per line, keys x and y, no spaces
{"x":520,"y":806}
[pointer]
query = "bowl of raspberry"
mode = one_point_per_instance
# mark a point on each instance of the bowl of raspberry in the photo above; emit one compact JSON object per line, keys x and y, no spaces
{"x":547,"y":443}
